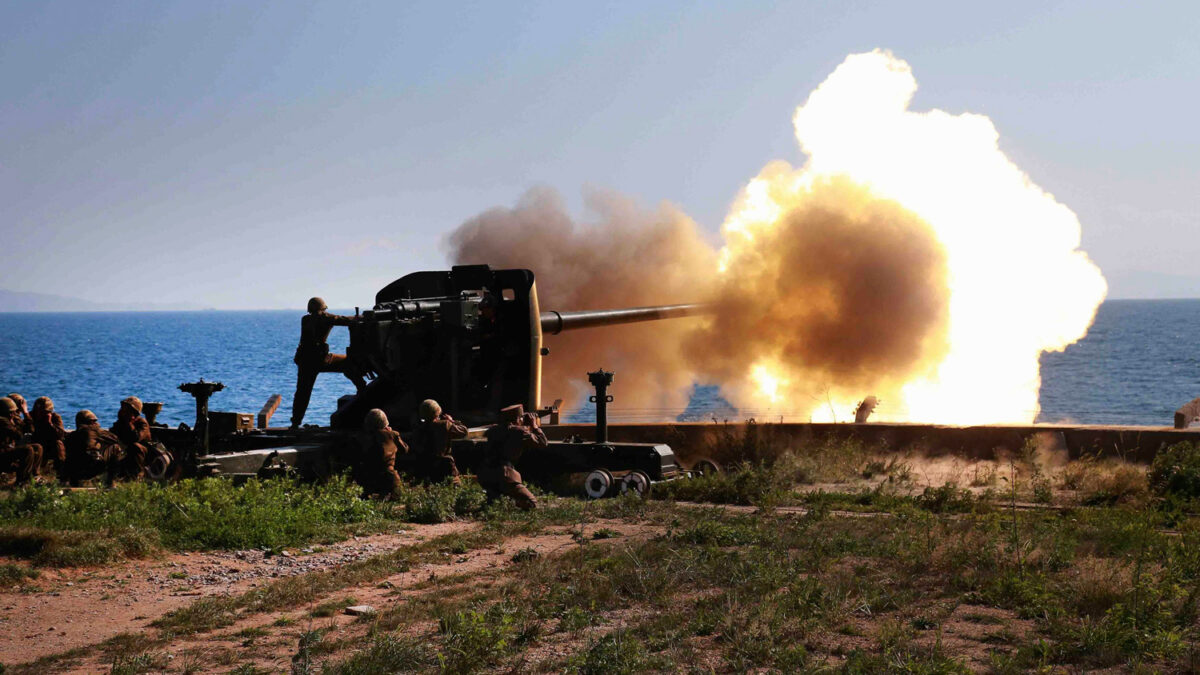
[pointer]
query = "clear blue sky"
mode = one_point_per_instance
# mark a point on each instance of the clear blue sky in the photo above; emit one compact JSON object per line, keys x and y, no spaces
{"x":250,"y":154}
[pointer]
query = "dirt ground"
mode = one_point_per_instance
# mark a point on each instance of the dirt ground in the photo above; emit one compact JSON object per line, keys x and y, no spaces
{"x":78,"y":609}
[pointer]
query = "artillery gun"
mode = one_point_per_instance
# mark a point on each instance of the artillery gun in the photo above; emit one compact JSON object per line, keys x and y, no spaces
{"x":471,"y":338}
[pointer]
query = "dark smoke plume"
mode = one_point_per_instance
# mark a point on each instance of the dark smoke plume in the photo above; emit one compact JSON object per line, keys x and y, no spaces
{"x":846,"y":292}
{"x":623,"y":256}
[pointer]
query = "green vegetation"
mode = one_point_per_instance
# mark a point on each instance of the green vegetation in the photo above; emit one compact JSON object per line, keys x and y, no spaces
{"x":189,"y":515}
{"x":131,"y":520}
{"x":14,"y":575}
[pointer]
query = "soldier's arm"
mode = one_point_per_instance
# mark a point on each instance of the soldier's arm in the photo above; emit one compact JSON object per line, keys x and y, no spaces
{"x":401,"y":446}
{"x":142,"y":427}
{"x":455,"y":429}
{"x":339,"y":320}
{"x":535,"y":438}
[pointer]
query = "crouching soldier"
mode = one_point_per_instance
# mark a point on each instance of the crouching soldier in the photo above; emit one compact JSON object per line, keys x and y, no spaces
{"x":377,"y":464}
{"x":16,"y":456}
{"x":48,"y":432}
{"x":91,"y":450}
{"x":134,"y":433}
{"x":433,"y":461}
{"x":506,"y":442}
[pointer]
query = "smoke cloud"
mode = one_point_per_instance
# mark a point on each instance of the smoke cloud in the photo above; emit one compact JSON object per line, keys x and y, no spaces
{"x":621,"y":256}
{"x":908,"y":258}
{"x":843,"y":295}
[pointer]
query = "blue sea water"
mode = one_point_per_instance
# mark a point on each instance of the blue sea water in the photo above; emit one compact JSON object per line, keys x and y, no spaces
{"x":1136,"y":366}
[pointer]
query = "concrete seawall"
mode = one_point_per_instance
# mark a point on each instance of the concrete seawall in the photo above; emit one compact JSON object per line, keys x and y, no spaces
{"x":733,"y":441}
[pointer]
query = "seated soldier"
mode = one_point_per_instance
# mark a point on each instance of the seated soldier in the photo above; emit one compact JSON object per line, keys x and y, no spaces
{"x":48,"y":432}
{"x":376,"y":470}
{"x":517,"y":432}
{"x":134,"y":433}
{"x":433,"y":461}
{"x":23,"y":409}
{"x":91,"y":450}
{"x":16,"y":456}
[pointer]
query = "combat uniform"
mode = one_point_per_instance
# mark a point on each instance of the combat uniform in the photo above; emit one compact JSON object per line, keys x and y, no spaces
{"x":134,"y":433}
{"x":506,"y":442}
{"x":48,"y":432}
{"x":433,"y":461}
{"x":377,"y":469}
{"x":91,"y":451}
{"x":16,"y":456}
{"x":313,"y":357}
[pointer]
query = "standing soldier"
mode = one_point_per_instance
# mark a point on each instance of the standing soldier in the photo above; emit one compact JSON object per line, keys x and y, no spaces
{"x":313,"y":357}
{"x":434,"y":462}
{"x":134,"y":433}
{"x":377,"y":465}
{"x":506,"y":442}
{"x":91,"y":450}
{"x":48,"y":432}
{"x":16,"y":456}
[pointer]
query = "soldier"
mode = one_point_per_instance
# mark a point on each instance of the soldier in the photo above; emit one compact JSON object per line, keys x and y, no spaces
{"x":16,"y":456}
{"x":48,"y":432}
{"x":434,"y":462}
{"x":22,"y":408}
{"x":134,"y":433}
{"x":313,"y":357}
{"x":91,"y":450}
{"x":506,"y":442}
{"x":377,"y":465}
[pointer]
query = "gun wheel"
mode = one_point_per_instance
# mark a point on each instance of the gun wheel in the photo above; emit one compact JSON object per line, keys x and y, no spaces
{"x":598,"y":484}
{"x":636,"y":482}
{"x":705,"y":467}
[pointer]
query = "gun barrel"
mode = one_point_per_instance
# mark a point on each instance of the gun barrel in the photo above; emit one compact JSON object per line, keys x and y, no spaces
{"x":554,"y":323}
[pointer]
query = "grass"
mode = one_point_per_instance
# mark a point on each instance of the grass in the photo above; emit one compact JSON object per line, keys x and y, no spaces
{"x":135,"y":519}
{"x":873,"y":579}
{"x":130,"y":520}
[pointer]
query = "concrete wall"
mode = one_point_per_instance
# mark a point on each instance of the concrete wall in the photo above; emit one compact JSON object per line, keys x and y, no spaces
{"x":730,"y":442}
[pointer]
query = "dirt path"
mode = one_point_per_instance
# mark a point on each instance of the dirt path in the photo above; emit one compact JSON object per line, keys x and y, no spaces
{"x":69,"y":608}
{"x":87,"y":607}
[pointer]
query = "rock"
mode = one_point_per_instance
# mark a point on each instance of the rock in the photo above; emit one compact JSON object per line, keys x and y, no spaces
{"x":360,"y":610}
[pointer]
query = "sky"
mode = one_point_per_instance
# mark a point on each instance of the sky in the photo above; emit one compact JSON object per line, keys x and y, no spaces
{"x":250,"y":155}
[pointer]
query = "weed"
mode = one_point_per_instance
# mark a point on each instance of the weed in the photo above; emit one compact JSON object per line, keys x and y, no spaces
{"x":386,"y":654}
{"x":618,"y":653}
{"x":476,"y":639}
{"x":14,"y":575}
{"x":443,"y":502}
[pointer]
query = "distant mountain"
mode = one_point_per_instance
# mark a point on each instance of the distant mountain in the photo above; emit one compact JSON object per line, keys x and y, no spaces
{"x":20,"y":301}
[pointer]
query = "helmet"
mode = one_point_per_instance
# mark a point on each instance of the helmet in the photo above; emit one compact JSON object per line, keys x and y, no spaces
{"x":376,"y":419}
{"x":85,"y":417}
{"x":17,"y":398}
{"x":316,"y":305}
{"x":7,"y":406}
{"x":512,"y":413}
{"x":430,"y":409}
{"x":44,"y":403}
{"x":133,"y":402}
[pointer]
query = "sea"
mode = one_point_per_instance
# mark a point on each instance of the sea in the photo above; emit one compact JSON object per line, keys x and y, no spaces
{"x":1136,"y":366}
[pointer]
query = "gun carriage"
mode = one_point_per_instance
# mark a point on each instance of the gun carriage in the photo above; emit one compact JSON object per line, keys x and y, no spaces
{"x":471,"y":338}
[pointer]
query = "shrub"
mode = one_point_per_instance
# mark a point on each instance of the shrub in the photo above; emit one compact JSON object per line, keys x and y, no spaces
{"x":443,"y":502}
{"x":1176,"y":472}
{"x":477,"y":639}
